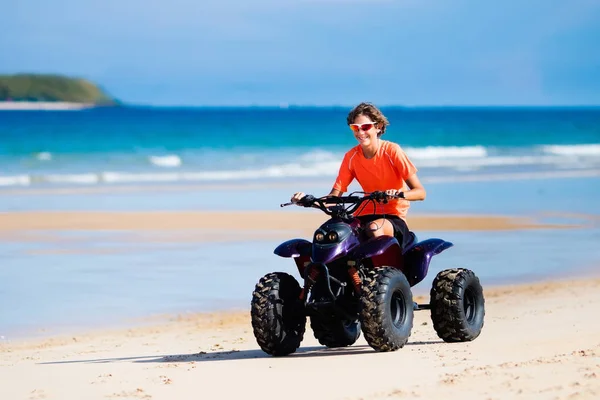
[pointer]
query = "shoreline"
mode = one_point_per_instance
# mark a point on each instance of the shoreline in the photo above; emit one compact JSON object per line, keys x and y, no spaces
{"x":56,"y":333}
{"x":233,"y":316}
{"x":229,"y":317}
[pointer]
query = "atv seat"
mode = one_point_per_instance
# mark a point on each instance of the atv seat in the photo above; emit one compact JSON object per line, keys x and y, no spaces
{"x":410,"y":242}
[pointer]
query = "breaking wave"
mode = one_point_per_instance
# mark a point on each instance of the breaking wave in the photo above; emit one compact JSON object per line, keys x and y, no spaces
{"x":169,"y":161}
{"x":316,"y":163}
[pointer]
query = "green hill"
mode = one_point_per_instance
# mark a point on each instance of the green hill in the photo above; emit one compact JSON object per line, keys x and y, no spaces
{"x":53,"y":88}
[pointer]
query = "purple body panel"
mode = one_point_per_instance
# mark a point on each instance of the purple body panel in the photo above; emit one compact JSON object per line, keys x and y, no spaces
{"x":323,"y":254}
{"x":418,"y":257}
{"x":294,"y":248}
{"x":373,"y":247}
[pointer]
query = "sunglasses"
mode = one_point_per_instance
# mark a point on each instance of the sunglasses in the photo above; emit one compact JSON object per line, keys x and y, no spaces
{"x":363,"y":127}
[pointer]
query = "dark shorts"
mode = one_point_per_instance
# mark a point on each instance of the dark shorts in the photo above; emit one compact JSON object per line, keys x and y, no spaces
{"x":401,"y":232}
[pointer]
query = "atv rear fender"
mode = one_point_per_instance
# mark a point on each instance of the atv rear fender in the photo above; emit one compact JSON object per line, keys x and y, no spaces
{"x":418,"y":257}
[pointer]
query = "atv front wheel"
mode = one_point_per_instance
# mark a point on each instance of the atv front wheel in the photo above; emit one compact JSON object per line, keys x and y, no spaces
{"x":457,"y":305}
{"x":333,"y":332}
{"x":278,"y":320}
{"x":386,"y":309}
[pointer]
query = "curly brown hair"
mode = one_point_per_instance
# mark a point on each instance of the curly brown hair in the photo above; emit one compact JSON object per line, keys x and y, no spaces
{"x":369,"y":110}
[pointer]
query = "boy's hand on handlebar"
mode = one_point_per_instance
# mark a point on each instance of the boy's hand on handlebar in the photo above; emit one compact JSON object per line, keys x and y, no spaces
{"x":302,"y":199}
{"x":384,"y":196}
{"x":395,"y":193}
{"x":297,"y":197}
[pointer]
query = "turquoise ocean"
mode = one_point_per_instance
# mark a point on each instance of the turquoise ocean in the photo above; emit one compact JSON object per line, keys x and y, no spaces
{"x":142,"y":145}
{"x":541,"y":163}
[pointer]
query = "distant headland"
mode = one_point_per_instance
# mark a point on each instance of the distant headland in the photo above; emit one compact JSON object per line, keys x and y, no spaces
{"x":50,"y":92}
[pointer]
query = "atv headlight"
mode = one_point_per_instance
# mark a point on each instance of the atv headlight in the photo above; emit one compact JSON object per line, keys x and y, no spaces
{"x":319,"y":237}
{"x":332,"y":236}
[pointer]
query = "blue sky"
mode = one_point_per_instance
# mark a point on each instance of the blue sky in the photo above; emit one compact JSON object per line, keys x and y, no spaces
{"x":317,"y":52}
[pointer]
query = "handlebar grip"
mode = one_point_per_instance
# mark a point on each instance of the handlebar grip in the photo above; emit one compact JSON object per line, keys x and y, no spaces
{"x":286,"y":204}
{"x":307,"y":201}
{"x":378,"y":195}
{"x":384,"y":197}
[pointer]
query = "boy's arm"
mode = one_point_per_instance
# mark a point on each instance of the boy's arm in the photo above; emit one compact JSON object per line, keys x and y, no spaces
{"x":417,"y":191}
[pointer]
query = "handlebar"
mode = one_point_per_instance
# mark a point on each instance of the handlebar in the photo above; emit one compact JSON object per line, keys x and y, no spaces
{"x":338,"y":202}
{"x":310,"y":200}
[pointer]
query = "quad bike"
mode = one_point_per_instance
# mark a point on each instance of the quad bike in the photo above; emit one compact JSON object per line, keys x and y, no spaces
{"x":352,"y":282}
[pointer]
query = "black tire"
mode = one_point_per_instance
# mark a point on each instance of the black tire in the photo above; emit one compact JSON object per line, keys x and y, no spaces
{"x":278,"y":320}
{"x":333,"y":332}
{"x":457,"y":305}
{"x":386,"y":309}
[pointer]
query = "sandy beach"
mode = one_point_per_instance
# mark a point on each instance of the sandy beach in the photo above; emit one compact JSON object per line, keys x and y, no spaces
{"x":305,"y":221}
{"x":540,"y":341}
{"x":42,"y":105}
{"x":204,"y":226}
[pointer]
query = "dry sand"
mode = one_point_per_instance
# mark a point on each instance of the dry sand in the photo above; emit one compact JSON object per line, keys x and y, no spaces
{"x":304,"y":220}
{"x":539,"y":342}
{"x":204,"y":226}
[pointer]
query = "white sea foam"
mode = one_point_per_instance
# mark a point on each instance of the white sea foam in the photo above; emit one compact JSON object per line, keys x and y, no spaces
{"x":121,"y":177}
{"x":319,"y":156}
{"x":476,"y":157}
{"x":16,"y":180}
{"x":588,"y":173}
{"x":224,"y":176}
{"x":573,"y":150}
{"x":69,"y":178}
{"x":168,"y":161}
{"x":491,"y":162}
{"x":322,"y":163}
{"x":434,"y":152}
{"x":276,"y":171}
{"x":44,"y":156}
{"x":416,"y":153}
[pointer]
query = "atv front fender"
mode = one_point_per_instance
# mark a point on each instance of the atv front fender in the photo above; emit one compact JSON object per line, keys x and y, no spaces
{"x":299,"y":249}
{"x":294,"y":248}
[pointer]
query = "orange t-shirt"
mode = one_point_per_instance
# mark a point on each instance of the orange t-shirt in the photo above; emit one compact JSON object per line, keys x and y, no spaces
{"x":388,"y":169}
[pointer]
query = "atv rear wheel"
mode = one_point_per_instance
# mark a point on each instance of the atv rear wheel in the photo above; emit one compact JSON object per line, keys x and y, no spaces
{"x":278,"y":320}
{"x":386,"y":309}
{"x":333,"y":332}
{"x":457,"y":305}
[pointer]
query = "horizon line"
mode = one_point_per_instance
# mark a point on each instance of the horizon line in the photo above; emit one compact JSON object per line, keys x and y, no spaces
{"x":284,"y":106}
{"x":346,"y":106}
